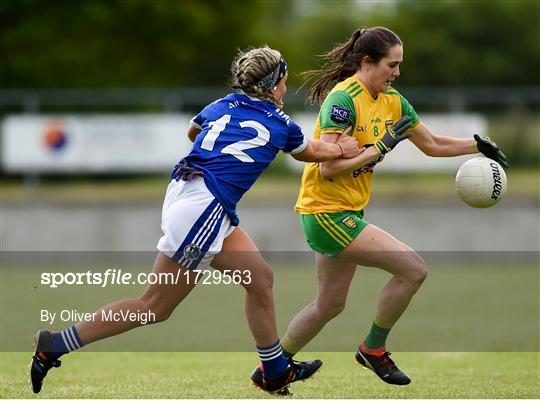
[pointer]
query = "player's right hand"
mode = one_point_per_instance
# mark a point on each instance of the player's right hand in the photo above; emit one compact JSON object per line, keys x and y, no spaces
{"x":394,"y":135}
{"x":348,"y":144}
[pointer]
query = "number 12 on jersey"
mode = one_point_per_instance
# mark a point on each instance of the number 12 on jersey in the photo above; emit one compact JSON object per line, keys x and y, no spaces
{"x":236,"y":149}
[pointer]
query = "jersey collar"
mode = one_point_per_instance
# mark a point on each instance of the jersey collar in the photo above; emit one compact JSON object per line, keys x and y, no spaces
{"x":366,"y":90}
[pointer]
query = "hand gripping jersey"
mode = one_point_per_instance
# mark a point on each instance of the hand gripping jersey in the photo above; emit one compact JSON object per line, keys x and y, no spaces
{"x":239,"y":138}
{"x":349,"y":103}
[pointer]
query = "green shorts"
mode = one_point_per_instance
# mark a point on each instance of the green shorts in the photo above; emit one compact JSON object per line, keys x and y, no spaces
{"x":330,"y":233}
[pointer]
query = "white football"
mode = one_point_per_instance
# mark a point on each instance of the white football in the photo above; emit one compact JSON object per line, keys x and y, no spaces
{"x":481,"y":182}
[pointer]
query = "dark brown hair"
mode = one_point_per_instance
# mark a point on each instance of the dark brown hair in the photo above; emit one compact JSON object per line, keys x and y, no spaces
{"x":346,"y":58}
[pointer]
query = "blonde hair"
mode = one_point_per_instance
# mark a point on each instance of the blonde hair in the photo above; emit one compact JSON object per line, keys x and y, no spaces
{"x":250,"y":66}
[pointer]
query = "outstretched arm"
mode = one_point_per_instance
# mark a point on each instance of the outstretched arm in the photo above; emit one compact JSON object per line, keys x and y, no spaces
{"x":341,"y":146}
{"x":317,"y":151}
{"x":447,"y":146}
{"x":441,"y":146}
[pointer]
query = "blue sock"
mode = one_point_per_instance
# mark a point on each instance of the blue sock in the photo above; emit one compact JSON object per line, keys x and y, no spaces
{"x":274,"y":363}
{"x":65,"y":341}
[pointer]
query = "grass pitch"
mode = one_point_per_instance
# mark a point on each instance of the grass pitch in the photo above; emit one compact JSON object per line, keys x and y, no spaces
{"x":226,"y":375}
{"x":461,"y":307}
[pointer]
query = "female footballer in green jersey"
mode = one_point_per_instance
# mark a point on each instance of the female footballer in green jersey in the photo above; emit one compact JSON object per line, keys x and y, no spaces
{"x":354,"y":87}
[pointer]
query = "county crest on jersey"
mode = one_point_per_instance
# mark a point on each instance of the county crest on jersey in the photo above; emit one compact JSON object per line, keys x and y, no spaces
{"x":240,"y":136}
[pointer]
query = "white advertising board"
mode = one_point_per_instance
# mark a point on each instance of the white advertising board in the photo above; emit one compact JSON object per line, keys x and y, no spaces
{"x":36,"y":144}
{"x":98,"y":143}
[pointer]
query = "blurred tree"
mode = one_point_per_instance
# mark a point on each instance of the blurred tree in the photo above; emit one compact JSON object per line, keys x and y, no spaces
{"x":121,"y":43}
{"x":469,"y":42}
{"x":163,"y":43}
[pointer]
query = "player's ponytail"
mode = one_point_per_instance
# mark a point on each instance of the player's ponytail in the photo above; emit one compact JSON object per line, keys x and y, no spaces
{"x":253,"y":65}
{"x":346,"y":58}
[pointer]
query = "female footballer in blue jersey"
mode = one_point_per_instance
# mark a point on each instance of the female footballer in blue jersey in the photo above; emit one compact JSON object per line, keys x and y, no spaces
{"x":354,"y":87}
{"x":235,"y":139}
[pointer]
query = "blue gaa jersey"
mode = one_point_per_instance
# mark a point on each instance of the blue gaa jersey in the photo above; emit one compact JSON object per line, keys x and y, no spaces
{"x":240,"y":136}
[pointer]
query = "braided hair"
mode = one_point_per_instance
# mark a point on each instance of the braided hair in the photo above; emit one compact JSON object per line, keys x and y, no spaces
{"x":249,"y":67}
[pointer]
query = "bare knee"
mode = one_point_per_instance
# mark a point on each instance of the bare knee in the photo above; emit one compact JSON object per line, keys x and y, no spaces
{"x":417,"y":273}
{"x":260,"y":279}
{"x":156,"y":309}
{"x":328,"y":310}
{"x":161,"y":315}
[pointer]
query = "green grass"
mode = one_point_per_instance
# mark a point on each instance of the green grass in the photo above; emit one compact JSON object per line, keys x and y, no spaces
{"x":461,"y":307}
{"x":226,"y":375}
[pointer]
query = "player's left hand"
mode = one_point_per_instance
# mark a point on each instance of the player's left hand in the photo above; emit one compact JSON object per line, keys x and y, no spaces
{"x":490,"y":149}
{"x":394,"y":135}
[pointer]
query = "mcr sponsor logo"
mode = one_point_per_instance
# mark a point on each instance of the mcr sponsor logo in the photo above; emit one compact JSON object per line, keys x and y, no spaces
{"x":338,"y":111}
{"x":339,"y":114}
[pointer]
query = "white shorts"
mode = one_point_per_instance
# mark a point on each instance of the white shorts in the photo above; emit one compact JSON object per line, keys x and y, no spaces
{"x":194,"y":224}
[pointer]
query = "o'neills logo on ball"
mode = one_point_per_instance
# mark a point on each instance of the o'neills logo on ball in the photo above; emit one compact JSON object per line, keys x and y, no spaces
{"x":497,"y":183}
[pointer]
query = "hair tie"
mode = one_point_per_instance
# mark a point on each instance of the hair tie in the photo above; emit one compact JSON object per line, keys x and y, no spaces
{"x":273,"y":78}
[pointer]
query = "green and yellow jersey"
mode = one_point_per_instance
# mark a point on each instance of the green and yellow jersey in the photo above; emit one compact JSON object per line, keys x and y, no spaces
{"x":349,"y":103}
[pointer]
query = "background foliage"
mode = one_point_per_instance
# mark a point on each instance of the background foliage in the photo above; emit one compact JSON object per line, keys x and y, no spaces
{"x":163,"y":43}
